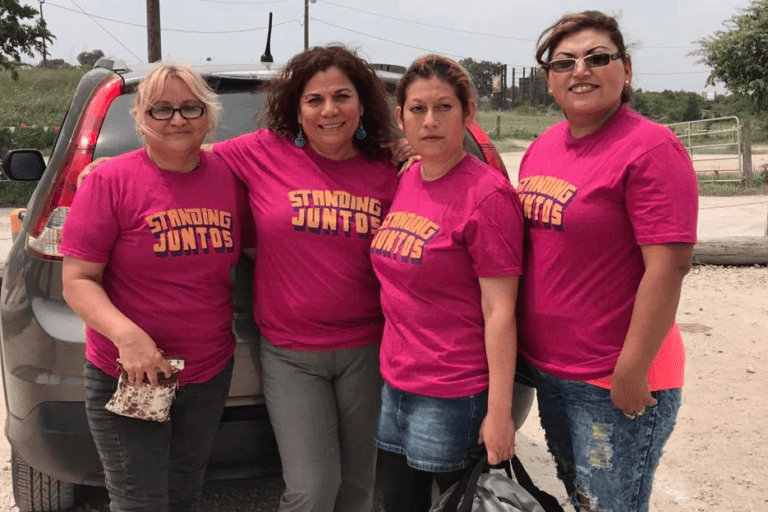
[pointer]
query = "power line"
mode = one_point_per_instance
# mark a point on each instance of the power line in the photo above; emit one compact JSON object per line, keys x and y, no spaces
{"x":139,"y":25}
{"x":422,"y":24}
{"x":386,"y":40}
{"x":105,"y":30}
{"x":246,"y":3}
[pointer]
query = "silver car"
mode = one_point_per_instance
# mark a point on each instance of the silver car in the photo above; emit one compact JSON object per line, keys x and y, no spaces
{"x":43,"y":342}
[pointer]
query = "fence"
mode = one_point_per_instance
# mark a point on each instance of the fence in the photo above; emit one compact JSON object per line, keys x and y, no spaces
{"x":719,"y":148}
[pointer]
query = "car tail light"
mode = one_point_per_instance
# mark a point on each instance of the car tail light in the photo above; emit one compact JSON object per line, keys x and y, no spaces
{"x":45,"y":230}
{"x":492,"y":156}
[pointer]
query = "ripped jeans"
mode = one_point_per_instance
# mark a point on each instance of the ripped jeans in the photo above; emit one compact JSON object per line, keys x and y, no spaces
{"x":602,"y":457}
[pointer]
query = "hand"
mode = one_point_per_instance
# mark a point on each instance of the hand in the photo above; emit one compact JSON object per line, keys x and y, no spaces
{"x":403,"y":156}
{"x":498,"y":436}
{"x":630,"y":392}
{"x":140,"y":357}
{"x":89,"y":168}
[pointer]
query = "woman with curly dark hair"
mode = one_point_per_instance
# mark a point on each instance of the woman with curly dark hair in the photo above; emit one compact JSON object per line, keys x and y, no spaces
{"x":320,"y":183}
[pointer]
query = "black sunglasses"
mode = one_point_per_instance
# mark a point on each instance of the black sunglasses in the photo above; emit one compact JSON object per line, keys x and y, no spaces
{"x":186,"y":111}
{"x":594,"y":60}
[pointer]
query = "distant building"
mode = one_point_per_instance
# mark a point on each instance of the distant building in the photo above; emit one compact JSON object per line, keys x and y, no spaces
{"x":534,"y":88}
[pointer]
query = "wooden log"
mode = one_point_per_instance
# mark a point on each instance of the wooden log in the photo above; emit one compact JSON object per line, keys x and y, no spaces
{"x":739,"y":250}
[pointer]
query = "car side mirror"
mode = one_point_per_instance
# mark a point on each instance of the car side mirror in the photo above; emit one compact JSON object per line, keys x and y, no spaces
{"x":23,"y":164}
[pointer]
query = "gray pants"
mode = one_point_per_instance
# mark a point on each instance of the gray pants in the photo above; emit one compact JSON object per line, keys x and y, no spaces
{"x":324,"y":407}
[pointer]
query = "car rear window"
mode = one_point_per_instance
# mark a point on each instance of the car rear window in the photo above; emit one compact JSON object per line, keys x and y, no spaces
{"x":240,"y":101}
{"x":240,"y":104}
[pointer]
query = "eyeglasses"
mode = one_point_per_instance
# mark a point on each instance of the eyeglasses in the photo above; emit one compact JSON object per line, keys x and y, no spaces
{"x":594,"y":60}
{"x":186,"y":111}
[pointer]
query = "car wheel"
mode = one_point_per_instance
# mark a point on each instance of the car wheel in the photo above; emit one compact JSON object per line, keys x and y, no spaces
{"x":38,"y":492}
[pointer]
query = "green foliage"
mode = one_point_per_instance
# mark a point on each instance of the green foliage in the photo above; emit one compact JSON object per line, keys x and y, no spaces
{"x":54,"y":64}
{"x":671,"y":107}
{"x":482,"y":73}
{"x":515,"y":126}
{"x":16,"y":193}
{"x":738,"y":55}
{"x":89,"y":58}
{"x":39,"y":98}
{"x":18,"y":37}
{"x":753,"y":187}
{"x":529,"y":108}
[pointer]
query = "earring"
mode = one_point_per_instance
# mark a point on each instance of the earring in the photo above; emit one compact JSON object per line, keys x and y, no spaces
{"x":299,"y":139}
{"x":626,"y":82}
{"x":360,"y":134}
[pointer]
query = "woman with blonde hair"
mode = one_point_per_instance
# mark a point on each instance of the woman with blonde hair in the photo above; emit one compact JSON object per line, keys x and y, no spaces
{"x":149,"y":244}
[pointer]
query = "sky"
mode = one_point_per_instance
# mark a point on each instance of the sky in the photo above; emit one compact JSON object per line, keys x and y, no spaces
{"x":660,"y":33}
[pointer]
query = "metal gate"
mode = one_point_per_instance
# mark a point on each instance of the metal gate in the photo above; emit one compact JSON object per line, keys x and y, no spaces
{"x":716,"y":147}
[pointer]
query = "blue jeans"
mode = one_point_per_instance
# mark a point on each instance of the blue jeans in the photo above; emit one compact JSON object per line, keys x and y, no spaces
{"x":435,"y":434}
{"x":149,"y":466}
{"x":602,"y":457}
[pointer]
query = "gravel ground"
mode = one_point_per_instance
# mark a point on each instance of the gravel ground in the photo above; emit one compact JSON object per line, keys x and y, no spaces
{"x":715,"y":459}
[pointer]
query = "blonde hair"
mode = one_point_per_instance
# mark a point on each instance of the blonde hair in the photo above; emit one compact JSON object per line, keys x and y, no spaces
{"x":151,"y":88}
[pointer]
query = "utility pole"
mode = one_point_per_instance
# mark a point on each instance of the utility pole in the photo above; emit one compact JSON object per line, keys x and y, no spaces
{"x":42,"y":20}
{"x":154,"y":53}
{"x":306,"y":22}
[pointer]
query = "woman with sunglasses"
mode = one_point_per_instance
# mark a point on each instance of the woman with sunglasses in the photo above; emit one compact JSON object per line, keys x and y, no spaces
{"x":149,"y":245}
{"x":610,"y":202}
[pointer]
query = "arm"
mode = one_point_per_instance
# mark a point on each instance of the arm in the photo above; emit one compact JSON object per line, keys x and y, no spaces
{"x":652,"y":317}
{"x":497,"y":432}
{"x":85,"y":295}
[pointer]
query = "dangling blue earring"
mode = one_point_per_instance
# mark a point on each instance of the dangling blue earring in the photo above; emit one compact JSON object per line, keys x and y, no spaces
{"x":299,"y":139}
{"x":360,"y":134}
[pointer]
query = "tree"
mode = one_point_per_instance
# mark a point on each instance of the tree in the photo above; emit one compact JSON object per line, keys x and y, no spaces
{"x":738,"y":55}
{"x":89,"y":58}
{"x":482,"y":73}
{"x":53,"y":64}
{"x":17,"y":38}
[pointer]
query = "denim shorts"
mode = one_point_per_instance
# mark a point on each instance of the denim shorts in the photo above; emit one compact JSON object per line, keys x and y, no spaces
{"x":600,"y":454}
{"x":435,"y":434}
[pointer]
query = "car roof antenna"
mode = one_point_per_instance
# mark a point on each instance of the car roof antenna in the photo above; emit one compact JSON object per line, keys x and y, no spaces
{"x":267,"y":57}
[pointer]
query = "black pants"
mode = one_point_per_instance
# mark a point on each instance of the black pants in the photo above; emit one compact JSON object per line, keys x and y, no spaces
{"x":156,"y":467}
{"x":406,"y":489}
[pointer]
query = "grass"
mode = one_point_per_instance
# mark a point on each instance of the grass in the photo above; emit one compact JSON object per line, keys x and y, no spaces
{"x":757,"y":185}
{"x":515,"y":126}
{"x":39,"y":98}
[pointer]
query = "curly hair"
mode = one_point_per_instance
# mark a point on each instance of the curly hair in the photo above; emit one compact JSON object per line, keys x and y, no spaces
{"x":573,"y":23}
{"x":281,"y":110}
{"x":447,"y":70}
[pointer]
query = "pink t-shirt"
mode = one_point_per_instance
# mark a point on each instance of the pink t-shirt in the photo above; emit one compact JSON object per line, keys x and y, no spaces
{"x":314,"y":287}
{"x":438,"y":239}
{"x":169,"y":241}
{"x":589,"y":204}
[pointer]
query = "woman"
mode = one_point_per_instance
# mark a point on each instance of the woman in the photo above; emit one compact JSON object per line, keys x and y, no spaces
{"x":148,"y":246}
{"x":610,"y":202}
{"x":448,"y":269}
{"x":319,"y":186}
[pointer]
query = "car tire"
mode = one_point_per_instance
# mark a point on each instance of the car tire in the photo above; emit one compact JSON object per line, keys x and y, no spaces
{"x":38,"y":492}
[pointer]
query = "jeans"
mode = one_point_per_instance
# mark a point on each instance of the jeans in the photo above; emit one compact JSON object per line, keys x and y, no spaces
{"x":323,"y":406}
{"x":149,"y":466}
{"x":602,"y":457}
{"x":435,"y":434}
